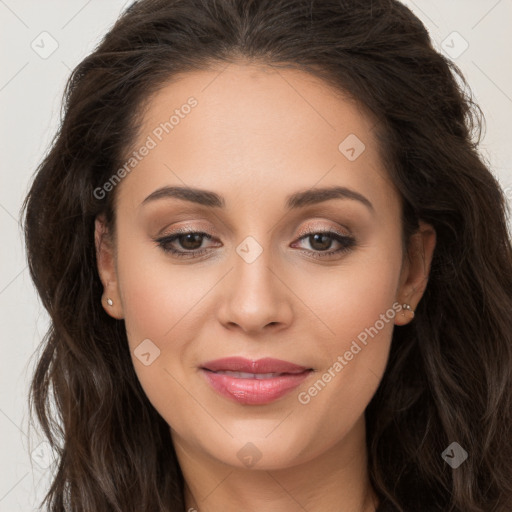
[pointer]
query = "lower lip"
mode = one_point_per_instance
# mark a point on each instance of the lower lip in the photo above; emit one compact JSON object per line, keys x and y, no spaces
{"x":254,"y":391}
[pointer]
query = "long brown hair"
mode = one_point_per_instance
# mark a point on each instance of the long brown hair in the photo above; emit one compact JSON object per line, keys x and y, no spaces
{"x":449,"y":375}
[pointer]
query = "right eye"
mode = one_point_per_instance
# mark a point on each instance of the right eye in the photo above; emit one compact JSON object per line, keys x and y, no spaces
{"x":190,"y":241}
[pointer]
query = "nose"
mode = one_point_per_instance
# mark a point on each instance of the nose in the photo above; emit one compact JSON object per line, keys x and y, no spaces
{"x":256,"y":298}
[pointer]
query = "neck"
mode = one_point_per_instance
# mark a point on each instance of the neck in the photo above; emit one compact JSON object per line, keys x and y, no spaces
{"x":337,"y":479}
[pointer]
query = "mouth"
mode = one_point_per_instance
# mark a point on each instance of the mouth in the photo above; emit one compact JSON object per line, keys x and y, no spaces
{"x":265,"y":366}
{"x":254,"y":382}
{"x":245,"y":375}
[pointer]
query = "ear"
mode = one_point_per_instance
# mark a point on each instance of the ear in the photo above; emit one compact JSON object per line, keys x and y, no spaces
{"x":106,"y":261}
{"x":415,"y":270}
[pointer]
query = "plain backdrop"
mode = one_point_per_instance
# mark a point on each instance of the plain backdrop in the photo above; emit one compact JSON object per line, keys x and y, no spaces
{"x":40,"y":43}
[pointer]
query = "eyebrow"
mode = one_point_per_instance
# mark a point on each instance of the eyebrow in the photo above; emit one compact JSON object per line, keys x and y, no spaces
{"x":293,"y":201}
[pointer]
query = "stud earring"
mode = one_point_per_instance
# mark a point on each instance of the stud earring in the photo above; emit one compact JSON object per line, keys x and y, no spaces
{"x":110,"y":302}
{"x":408,"y":307}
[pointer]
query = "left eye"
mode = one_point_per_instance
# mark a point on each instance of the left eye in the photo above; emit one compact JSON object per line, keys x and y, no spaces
{"x":191,"y":242}
{"x":323,"y":241}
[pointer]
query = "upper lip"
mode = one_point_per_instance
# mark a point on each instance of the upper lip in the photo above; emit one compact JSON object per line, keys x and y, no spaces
{"x":265,"y":365}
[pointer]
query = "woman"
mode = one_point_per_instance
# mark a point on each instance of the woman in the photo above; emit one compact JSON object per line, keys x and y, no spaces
{"x":278,"y":272}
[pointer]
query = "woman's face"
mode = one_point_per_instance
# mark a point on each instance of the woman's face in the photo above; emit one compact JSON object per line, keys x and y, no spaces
{"x":267,"y":159}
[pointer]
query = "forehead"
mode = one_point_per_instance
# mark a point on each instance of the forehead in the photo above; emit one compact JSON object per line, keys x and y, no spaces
{"x":260,"y":99}
{"x":254,"y":127}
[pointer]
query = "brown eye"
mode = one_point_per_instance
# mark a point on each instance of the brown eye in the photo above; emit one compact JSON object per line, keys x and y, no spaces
{"x":184,"y":244}
{"x":190,"y":241}
{"x":321,"y":241}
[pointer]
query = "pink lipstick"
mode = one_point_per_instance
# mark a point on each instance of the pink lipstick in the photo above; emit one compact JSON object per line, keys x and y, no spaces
{"x":253,"y":382}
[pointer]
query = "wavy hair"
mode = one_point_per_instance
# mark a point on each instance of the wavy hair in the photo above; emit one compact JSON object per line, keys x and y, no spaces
{"x":449,"y":374}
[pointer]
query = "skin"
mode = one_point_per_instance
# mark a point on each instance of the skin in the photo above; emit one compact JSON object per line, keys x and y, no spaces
{"x":257,"y":135}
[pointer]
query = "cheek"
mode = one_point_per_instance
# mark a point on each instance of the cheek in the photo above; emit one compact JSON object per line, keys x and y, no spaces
{"x":358,"y":306}
{"x":156,"y":294}
{"x":353,"y":296}
{"x":159,"y":303}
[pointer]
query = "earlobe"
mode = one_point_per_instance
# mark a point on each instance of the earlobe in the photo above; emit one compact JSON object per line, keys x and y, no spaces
{"x":105,"y":258}
{"x":405,"y":315}
{"x":416,"y":271}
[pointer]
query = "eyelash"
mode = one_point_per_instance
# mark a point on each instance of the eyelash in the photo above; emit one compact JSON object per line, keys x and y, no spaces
{"x":347,"y":242}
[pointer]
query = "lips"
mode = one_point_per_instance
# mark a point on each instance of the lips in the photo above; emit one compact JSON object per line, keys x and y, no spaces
{"x":261,"y":366}
{"x":253,"y":382}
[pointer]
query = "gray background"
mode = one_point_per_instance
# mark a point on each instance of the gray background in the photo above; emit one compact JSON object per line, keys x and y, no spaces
{"x":32,"y":80}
